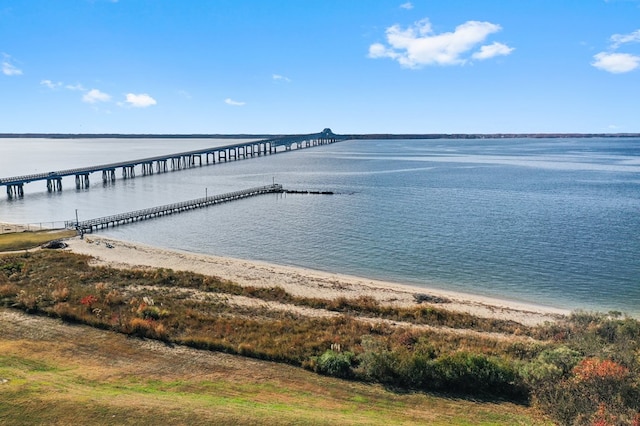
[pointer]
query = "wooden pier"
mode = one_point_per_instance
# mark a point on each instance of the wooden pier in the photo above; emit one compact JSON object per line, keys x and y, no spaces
{"x":88,"y":226}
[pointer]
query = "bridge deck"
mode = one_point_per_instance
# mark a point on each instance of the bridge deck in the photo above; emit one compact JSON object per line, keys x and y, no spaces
{"x":138,"y":215}
{"x":178,"y":160}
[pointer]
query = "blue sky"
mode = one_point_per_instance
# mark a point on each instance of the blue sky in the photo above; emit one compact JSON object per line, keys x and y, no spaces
{"x":357,"y":66}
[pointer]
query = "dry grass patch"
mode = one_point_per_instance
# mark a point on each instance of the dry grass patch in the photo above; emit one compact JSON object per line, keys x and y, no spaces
{"x":66,"y":374}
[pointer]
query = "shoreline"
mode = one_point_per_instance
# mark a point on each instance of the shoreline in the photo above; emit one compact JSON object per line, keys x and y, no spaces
{"x":306,"y":282}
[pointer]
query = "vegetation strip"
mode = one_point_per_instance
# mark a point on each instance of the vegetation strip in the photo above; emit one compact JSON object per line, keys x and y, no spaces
{"x":582,"y":370}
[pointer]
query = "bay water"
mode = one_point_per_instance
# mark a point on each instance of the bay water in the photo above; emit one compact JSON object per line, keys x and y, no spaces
{"x":553,"y":221}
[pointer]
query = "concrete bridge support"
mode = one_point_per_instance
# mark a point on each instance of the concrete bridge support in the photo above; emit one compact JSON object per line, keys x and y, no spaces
{"x":192,"y":160}
{"x":147,"y":168}
{"x":177,"y":163}
{"x":82,"y":181}
{"x":161,"y":166}
{"x":16,"y":190}
{"x":108,"y":175}
{"x":128,"y":172}
{"x":54,"y":184}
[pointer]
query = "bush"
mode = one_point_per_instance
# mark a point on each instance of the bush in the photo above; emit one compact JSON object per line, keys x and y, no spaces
{"x":550,"y":365}
{"x":8,"y":290}
{"x":377,"y":363}
{"x":472,"y":373}
{"x":146,"y":328}
{"x":598,"y":391}
{"x":336,"y":364}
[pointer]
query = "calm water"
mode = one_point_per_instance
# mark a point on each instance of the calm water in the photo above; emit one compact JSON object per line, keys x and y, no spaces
{"x":552,"y":221}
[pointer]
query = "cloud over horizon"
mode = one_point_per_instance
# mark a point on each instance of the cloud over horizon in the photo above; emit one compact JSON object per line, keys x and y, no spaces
{"x":418,"y":45}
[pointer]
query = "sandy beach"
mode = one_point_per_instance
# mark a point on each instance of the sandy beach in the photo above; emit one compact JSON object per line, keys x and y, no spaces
{"x":303,"y":282}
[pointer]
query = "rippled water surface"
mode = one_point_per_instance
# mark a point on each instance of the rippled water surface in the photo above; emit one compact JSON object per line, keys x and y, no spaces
{"x":552,"y":221}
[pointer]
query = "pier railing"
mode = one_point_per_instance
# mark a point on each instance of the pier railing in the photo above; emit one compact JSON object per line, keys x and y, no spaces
{"x":138,"y":215}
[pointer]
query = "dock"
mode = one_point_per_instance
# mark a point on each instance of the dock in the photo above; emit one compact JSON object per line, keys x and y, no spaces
{"x":88,"y":226}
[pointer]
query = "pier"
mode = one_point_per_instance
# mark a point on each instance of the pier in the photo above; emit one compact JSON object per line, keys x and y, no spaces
{"x":88,"y":226}
{"x":172,"y":162}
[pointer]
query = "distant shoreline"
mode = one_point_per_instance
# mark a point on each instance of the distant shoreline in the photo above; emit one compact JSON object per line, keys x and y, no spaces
{"x":350,"y":136}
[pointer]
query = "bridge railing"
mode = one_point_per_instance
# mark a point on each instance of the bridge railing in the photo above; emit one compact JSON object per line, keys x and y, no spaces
{"x":276,"y":141}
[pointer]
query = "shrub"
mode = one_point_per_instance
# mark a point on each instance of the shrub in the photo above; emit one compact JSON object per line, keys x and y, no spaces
{"x":89,"y":301}
{"x":550,"y":365}
{"x":65,"y":311}
{"x":378,"y":363}
{"x":147,"y":328}
{"x":473,"y":373}
{"x":12,"y":268}
{"x":113,"y":298}
{"x":417,"y":371}
{"x":60,"y":294}
{"x":27,"y":301}
{"x":598,"y":391}
{"x":149,"y":312}
{"x":8,"y":290}
{"x":336,"y":364}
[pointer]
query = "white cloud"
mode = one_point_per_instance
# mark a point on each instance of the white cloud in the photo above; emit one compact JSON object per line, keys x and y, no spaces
{"x":616,"y":63}
{"x":407,"y":6}
{"x":140,"y":101}
{"x":492,"y":50}
{"x":418,"y":45}
{"x":619,"y":39}
{"x":50,"y":84}
{"x":279,"y":77}
{"x":8,"y":68}
{"x":94,"y":95}
{"x":75,"y":87}
{"x":58,"y":84}
{"x":231,"y":102}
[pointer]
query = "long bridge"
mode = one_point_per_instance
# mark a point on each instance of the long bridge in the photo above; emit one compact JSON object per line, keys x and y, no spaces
{"x":87,"y":226}
{"x":177,"y":161}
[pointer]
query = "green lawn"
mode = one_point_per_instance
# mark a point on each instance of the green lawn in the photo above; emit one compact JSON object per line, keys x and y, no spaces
{"x":28,"y":240}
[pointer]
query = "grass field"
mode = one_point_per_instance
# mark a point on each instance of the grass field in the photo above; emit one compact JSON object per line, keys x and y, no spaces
{"x":28,"y":240}
{"x":69,"y":374}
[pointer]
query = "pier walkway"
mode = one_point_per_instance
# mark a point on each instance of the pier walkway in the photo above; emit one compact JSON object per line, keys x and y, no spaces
{"x":88,"y":226}
{"x":177,"y":161}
